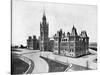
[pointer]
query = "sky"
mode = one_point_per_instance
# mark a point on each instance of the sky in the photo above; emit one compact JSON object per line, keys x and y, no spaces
{"x":27,"y":15}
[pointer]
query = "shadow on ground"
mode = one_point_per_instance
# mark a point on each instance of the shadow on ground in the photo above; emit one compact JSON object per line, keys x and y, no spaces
{"x":55,"y":66}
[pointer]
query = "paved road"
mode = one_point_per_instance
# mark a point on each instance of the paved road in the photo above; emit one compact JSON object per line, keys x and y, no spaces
{"x":40,"y":65}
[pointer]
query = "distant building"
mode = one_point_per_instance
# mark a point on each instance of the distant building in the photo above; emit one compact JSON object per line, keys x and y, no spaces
{"x":32,"y":43}
{"x":72,"y":45}
{"x":22,"y":46}
{"x":44,"y":40}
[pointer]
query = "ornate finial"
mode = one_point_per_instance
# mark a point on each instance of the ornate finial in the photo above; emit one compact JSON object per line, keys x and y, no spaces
{"x":43,"y":11}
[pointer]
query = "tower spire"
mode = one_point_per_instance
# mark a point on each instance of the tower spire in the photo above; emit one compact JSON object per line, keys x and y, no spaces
{"x":44,"y":16}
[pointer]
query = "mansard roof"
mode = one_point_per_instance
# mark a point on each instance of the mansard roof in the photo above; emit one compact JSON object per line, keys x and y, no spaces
{"x":83,"y":34}
{"x":68,"y":33}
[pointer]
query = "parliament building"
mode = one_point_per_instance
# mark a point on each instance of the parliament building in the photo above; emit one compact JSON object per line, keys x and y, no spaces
{"x":72,"y":44}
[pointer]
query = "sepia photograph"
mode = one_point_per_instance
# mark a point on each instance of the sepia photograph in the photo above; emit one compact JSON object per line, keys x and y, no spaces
{"x":51,"y":37}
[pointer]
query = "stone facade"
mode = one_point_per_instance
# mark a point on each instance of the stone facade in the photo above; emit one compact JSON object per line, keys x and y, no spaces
{"x":72,"y":44}
{"x":44,"y":40}
{"x":51,"y":45}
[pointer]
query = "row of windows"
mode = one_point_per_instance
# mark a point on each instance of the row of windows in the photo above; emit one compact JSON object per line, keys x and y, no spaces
{"x":69,"y":50}
{"x":64,"y":39}
{"x":64,"y":44}
{"x":67,"y":44}
{"x":71,"y":39}
{"x":71,"y":44}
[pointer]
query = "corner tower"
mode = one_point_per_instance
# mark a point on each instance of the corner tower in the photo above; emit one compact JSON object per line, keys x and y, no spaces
{"x":44,"y":30}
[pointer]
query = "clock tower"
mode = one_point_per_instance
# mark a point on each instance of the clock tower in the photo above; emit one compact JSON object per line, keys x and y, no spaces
{"x":44,"y":30}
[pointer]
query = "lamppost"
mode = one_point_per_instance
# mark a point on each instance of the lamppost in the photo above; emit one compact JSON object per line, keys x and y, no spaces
{"x":59,"y":41}
{"x":67,"y":60}
{"x":87,"y":65}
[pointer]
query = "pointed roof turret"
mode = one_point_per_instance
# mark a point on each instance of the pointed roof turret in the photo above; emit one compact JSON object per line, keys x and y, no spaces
{"x":74,"y":31}
{"x":73,"y":28}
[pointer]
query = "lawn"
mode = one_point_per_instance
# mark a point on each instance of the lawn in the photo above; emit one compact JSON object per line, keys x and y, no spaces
{"x":18,"y":66}
{"x":55,"y":66}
